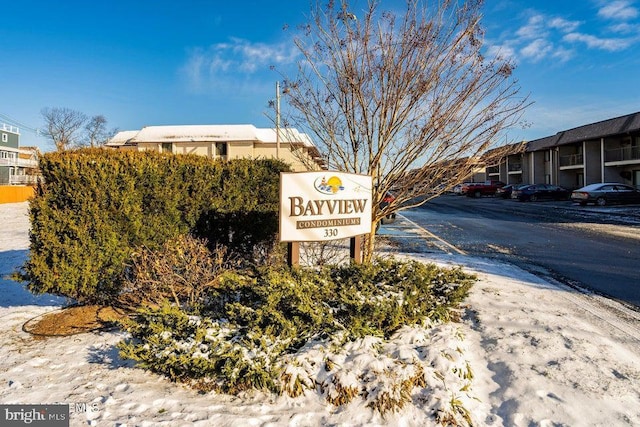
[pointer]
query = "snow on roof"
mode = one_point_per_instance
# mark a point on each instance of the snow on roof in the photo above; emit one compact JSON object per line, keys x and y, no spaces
{"x":202,"y":133}
{"x":122,"y":137}
{"x":286,"y":135}
{"x":196,"y":133}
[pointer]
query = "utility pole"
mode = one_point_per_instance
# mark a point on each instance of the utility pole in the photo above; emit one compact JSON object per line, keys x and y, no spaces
{"x":277,"y":120}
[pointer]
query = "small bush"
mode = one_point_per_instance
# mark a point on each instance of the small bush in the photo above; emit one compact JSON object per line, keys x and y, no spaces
{"x":183,"y":270}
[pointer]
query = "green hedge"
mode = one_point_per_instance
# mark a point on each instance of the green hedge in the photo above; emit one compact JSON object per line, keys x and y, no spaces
{"x":96,"y":206}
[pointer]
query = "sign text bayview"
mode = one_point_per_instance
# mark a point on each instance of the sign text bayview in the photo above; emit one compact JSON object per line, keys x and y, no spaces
{"x":327,"y":205}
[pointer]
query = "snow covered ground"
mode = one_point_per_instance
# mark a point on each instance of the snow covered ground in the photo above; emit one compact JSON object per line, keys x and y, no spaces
{"x":542,"y":355}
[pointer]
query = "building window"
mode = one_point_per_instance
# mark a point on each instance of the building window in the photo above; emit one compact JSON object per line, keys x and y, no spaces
{"x":167,"y":147}
{"x":5,"y":137}
{"x":221,"y":148}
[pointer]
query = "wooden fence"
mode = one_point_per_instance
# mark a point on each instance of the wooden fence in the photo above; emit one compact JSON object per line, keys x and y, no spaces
{"x":15,"y":193}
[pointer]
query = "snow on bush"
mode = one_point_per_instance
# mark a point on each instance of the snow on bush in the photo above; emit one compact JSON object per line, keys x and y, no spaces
{"x":421,"y":365}
{"x":370,"y":335}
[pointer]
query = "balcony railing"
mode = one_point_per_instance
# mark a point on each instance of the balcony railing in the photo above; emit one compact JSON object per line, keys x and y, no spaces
{"x":23,"y":179}
{"x":622,"y":154}
{"x":25,"y":163}
{"x":572,"y":160}
{"x":9,"y":128}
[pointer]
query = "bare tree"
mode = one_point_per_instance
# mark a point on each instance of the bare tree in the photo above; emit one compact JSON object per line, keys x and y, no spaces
{"x":406,"y":97}
{"x":63,"y":126}
{"x":96,"y":129}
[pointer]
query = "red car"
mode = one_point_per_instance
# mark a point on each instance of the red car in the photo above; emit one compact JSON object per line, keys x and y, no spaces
{"x":480,"y":189}
{"x":388,"y":198}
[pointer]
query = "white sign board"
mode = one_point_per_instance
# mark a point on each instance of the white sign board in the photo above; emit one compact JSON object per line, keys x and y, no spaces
{"x":318,"y":206}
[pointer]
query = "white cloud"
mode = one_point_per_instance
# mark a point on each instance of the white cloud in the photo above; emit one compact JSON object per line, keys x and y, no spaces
{"x":611,"y":45}
{"x":234,"y":60}
{"x":563,"y":25}
{"x":562,"y":54}
{"x":503,"y":52}
{"x":620,"y":9}
{"x":535,"y":38}
{"x":533,"y":29}
{"x":544,"y":36}
{"x":539,"y":25}
{"x":625,"y":28}
{"x":537,"y":50}
{"x":249,"y":57}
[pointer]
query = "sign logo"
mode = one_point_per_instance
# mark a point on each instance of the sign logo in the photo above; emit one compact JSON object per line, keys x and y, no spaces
{"x":328,"y":186}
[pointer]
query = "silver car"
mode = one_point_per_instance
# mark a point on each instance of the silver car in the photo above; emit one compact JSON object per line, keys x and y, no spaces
{"x":606,"y":193}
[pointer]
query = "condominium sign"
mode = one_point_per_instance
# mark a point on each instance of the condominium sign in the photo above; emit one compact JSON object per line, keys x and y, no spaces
{"x":317,"y":206}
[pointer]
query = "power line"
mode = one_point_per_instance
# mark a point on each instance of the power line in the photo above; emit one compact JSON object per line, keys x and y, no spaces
{"x":21,"y":125}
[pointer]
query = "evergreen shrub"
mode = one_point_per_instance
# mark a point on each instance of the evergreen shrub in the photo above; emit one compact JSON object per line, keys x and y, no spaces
{"x":95,"y":207}
{"x":244,"y":217}
{"x":263,"y":315}
{"x":208,"y":354}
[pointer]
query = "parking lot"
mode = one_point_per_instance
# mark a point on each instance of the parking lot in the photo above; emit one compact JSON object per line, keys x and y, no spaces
{"x":590,"y":247}
{"x":563,"y":210}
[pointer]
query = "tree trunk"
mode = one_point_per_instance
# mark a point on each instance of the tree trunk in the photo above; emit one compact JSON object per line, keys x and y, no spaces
{"x":368,"y":246}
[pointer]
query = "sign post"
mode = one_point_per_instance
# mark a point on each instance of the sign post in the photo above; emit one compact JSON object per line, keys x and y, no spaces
{"x":355,"y":249}
{"x":323,"y":206}
{"x":293,"y":253}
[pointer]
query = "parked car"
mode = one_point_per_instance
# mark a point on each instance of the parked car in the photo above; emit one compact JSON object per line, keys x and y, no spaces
{"x":606,"y":193}
{"x":479,"y":189}
{"x":388,"y":198}
{"x":457,"y":189}
{"x":505,"y":192}
{"x":540,"y":192}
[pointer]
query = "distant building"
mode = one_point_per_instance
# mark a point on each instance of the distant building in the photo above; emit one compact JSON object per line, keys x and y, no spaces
{"x":225,"y":142}
{"x":17,"y":165}
{"x":605,"y":151}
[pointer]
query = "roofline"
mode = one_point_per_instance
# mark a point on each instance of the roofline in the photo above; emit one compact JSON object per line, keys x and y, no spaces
{"x":554,"y":139}
{"x":602,"y":121}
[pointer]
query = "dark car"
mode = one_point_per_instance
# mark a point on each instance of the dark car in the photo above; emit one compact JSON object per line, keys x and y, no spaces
{"x":536,"y":192}
{"x":505,"y":192}
{"x":606,"y":193}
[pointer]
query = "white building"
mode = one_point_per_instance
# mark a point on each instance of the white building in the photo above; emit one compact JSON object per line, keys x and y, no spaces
{"x":225,"y":142}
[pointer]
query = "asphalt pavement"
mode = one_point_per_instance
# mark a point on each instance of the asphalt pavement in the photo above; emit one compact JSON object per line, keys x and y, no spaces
{"x":583,"y":247}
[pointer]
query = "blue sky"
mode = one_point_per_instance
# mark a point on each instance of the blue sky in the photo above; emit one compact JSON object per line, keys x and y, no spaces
{"x":140,"y":62}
